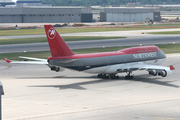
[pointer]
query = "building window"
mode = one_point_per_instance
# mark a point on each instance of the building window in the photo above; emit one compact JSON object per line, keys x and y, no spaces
{"x":59,"y":15}
{"x":69,"y":15}
{"x":72,"y":15}
{"x":62,"y":15}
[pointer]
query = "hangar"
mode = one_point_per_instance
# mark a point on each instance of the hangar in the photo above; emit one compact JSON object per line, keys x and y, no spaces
{"x":45,"y":14}
{"x":6,"y":2}
{"x":119,"y":14}
{"x":21,"y":3}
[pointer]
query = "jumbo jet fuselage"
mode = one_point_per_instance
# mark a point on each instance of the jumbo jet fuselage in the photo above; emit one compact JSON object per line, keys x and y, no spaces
{"x":110,"y":62}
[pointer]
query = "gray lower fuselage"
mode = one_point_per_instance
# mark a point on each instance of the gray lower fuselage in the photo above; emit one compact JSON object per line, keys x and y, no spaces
{"x":87,"y":64}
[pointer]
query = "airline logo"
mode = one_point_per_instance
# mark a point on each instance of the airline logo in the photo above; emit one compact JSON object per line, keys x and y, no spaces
{"x":51,"y":33}
{"x":145,"y":55}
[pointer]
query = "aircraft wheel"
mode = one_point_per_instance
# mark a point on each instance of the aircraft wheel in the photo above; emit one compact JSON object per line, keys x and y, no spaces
{"x":104,"y":76}
{"x":117,"y":77}
{"x":113,"y":76}
{"x":129,"y":77}
{"x":99,"y":75}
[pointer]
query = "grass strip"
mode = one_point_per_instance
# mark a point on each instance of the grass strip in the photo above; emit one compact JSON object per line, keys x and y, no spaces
{"x":166,"y":48}
{"x":78,"y":30}
{"x":44,"y":39}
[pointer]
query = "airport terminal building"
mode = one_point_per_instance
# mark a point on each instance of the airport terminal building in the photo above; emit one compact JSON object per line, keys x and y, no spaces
{"x":45,"y":14}
{"x":129,"y":14}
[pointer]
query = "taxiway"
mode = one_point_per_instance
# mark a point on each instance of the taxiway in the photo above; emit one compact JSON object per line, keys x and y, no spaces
{"x":131,"y":33}
{"x":33,"y":92}
{"x":31,"y":47}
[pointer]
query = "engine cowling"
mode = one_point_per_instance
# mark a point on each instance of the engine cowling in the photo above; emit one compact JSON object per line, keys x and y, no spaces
{"x":165,"y":73}
{"x":57,"y":69}
{"x":153,"y":72}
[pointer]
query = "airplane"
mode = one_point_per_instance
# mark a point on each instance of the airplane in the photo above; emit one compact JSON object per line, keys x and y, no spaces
{"x":107,"y":64}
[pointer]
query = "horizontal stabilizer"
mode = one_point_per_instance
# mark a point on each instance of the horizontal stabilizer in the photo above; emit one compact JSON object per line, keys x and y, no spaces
{"x":30,"y":58}
{"x":42,"y":62}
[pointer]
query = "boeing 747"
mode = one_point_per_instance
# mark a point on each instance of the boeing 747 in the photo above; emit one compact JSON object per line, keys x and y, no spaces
{"x":106,"y":64}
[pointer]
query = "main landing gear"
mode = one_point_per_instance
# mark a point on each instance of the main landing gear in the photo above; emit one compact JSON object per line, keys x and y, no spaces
{"x":114,"y":76}
{"x":108,"y":76}
{"x":129,"y":76}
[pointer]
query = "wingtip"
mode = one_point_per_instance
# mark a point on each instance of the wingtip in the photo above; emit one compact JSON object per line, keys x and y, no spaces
{"x":171,"y":67}
{"x":8,"y":61}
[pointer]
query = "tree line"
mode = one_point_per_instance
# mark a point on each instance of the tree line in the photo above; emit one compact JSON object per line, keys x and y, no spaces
{"x":105,"y":2}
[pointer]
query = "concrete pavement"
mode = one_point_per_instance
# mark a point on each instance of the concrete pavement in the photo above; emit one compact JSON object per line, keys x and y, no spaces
{"x":34,"y":92}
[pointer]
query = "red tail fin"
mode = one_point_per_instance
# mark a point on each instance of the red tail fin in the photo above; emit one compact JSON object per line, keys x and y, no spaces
{"x":57,"y":45}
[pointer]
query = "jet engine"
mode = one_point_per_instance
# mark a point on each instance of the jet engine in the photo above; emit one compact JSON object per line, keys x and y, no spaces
{"x":57,"y":69}
{"x":153,"y":72}
{"x":165,"y":73}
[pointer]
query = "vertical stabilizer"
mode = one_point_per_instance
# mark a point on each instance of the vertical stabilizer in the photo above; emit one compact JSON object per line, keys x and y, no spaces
{"x":57,"y":45}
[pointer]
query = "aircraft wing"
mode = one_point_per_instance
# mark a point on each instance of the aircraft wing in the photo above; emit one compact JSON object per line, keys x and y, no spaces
{"x":145,"y":67}
{"x":39,"y":61}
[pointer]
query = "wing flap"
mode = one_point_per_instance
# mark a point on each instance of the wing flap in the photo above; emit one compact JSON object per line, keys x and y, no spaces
{"x":144,"y":67}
